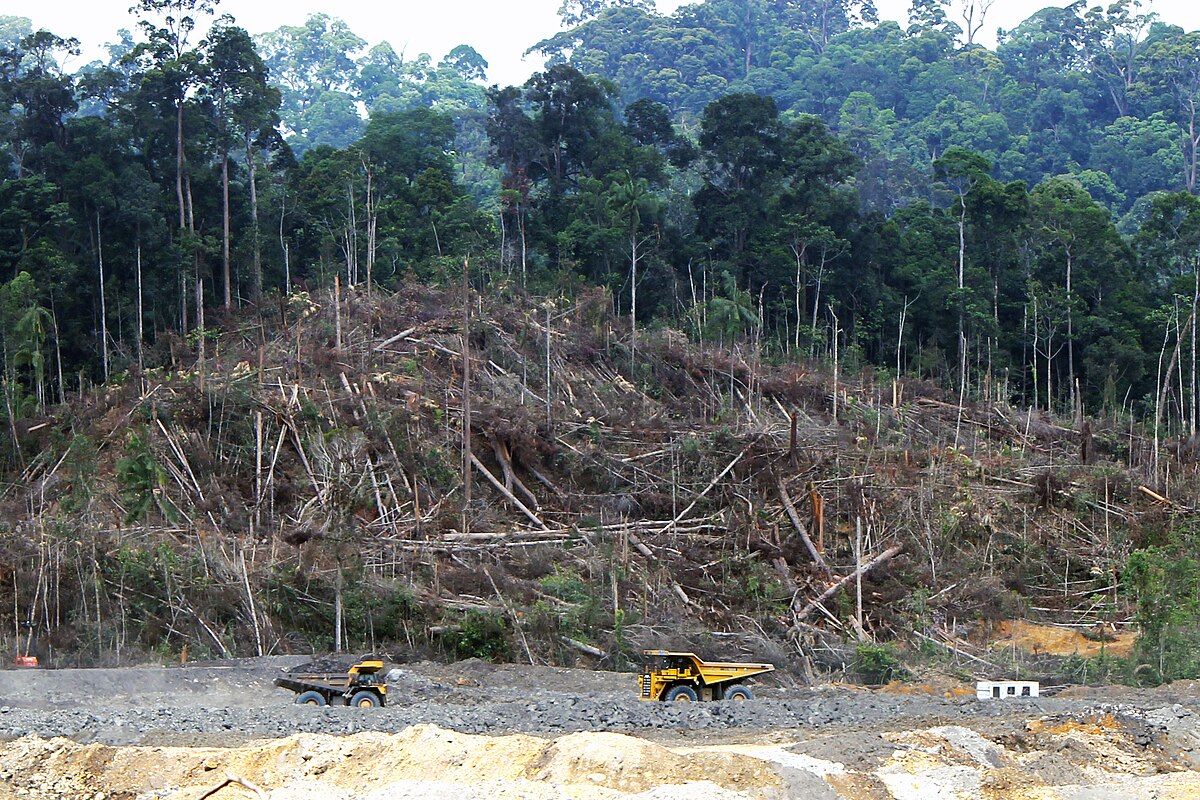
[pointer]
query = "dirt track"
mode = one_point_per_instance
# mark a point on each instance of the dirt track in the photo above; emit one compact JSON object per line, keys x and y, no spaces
{"x":852,"y":743}
{"x":231,"y":704}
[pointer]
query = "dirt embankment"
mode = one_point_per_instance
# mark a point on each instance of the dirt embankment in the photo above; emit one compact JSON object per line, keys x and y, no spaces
{"x":1103,"y":756}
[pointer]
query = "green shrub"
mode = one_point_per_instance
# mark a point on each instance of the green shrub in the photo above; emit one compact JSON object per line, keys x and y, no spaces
{"x":878,"y":663}
{"x":1163,"y":581}
{"x":139,"y":477}
{"x":481,"y":635}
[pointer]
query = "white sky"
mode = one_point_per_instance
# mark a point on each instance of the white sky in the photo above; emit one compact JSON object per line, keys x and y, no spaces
{"x":499,"y":29}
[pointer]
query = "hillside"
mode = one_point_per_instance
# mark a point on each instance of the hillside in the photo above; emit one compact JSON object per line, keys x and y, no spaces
{"x":302,"y":491}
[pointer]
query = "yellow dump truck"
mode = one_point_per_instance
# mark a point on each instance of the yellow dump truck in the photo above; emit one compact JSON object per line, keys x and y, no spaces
{"x":359,"y":686}
{"x":685,"y":677}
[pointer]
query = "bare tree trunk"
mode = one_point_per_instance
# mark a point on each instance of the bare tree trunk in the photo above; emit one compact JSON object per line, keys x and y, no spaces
{"x":62,"y":386}
{"x":962,"y":268}
{"x":503,"y":241}
{"x":1034,"y":371}
{"x":179,"y":161}
{"x":351,"y":240}
{"x":466,"y":398}
{"x":225,"y":227}
{"x":1165,"y":385}
{"x":835,"y":363}
{"x":1070,"y":335}
{"x":337,"y":610}
{"x":858,"y":572}
{"x":372,"y":218}
{"x":187,"y":192}
{"x":140,"y":313}
{"x":524,"y":244}
{"x":200,"y":343}
{"x":1192,"y":156}
{"x":256,"y":278}
{"x":633,"y":244}
{"x":103,"y":309}
{"x":1049,"y":375}
{"x":1195,"y":303}
{"x":900,"y":335}
{"x":283,"y":245}
{"x":337,"y":313}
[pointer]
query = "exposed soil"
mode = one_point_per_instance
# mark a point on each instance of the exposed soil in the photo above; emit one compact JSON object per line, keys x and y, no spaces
{"x":1060,"y":641}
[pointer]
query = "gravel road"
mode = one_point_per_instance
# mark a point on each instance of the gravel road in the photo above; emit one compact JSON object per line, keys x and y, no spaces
{"x":233,"y":703}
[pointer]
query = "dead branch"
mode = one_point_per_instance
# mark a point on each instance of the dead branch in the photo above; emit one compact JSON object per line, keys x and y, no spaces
{"x":955,"y":650}
{"x":230,"y":778}
{"x":683,"y":514}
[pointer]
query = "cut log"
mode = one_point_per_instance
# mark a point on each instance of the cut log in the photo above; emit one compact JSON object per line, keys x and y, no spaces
{"x":393,"y":339}
{"x":1146,"y":490}
{"x":641,"y":547}
{"x":582,"y":647}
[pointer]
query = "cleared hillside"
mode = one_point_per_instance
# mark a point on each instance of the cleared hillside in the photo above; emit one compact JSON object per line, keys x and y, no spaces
{"x":302,"y":489}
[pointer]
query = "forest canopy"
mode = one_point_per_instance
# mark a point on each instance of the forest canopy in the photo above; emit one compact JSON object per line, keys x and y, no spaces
{"x":1019,"y":223}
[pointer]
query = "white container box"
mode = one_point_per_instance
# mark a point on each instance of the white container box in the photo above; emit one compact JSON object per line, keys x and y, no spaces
{"x":1004,"y":690}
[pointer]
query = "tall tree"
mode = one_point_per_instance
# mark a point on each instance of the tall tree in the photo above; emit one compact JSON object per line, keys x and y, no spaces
{"x":36,"y":95}
{"x":237,"y":80}
{"x":1176,"y":62}
{"x":1113,"y":40}
{"x":961,"y":170}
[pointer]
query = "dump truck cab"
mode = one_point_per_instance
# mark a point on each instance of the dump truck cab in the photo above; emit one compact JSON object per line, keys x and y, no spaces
{"x":685,"y":677}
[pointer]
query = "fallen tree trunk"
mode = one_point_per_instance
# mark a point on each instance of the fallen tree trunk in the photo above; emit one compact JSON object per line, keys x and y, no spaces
{"x":683,"y":514}
{"x":799,"y":526}
{"x":587,"y":649}
{"x":832,"y":590}
{"x":512,"y":498}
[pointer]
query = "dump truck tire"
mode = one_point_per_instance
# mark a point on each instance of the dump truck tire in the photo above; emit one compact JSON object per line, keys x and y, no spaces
{"x":738,"y":693}
{"x":682,"y":694}
{"x":365,"y":700}
{"x":310,"y":699}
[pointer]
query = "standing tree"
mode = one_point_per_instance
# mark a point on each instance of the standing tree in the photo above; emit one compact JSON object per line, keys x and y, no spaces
{"x":1176,"y":73}
{"x":237,"y":80}
{"x":170,"y":70}
{"x":960,"y":170}
{"x":631,"y":199}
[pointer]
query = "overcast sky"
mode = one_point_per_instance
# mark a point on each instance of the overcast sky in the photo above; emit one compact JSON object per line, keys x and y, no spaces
{"x":499,"y":29}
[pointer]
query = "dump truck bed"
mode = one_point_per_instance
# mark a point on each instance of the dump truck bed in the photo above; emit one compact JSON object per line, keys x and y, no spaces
{"x":718,"y":671}
{"x":360,"y":680}
{"x":303,"y":683}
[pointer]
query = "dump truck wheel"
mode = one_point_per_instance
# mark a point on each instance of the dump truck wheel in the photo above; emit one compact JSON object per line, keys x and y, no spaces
{"x":310,"y":699}
{"x":682,"y":694}
{"x":365,"y":700}
{"x":738,"y":693}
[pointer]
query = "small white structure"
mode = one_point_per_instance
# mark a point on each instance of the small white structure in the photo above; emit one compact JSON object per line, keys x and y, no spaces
{"x":1001,"y":690}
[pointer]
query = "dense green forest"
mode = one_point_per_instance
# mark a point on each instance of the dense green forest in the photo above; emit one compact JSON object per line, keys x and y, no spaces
{"x":1018,"y":223}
